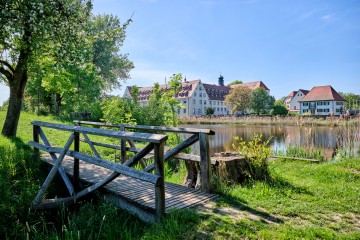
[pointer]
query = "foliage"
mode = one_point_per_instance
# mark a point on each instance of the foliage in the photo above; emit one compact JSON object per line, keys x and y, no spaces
{"x":256,"y":155}
{"x":353,"y":100}
{"x":260,"y":101}
{"x":32,"y":27}
{"x":238,"y":99}
{"x":234,"y":83}
{"x":109,"y":37}
{"x":279,"y":109}
{"x":118,"y":110}
{"x":160,"y":110}
{"x":209,"y":111}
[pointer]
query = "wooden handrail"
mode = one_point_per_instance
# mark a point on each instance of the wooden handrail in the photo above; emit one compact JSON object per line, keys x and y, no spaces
{"x":144,"y":137}
{"x":153,"y":128}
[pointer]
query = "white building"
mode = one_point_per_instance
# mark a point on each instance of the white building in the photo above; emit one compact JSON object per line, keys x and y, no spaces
{"x":322,"y":100}
{"x":292,"y":100}
{"x":196,"y":96}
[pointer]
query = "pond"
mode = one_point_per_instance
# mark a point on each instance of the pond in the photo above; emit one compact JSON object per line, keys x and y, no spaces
{"x":281,"y":137}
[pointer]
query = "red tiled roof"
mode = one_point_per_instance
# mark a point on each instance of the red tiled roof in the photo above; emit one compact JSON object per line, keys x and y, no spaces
{"x":292,"y":94}
{"x":216,"y":92}
{"x":322,"y":93}
{"x":252,"y":85}
{"x":304,"y":91}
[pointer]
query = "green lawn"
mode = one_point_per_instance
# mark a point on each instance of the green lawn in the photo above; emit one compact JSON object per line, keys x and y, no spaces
{"x":301,"y":201}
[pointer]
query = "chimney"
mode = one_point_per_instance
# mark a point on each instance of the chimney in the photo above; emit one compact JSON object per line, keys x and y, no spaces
{"x":221,"y":80}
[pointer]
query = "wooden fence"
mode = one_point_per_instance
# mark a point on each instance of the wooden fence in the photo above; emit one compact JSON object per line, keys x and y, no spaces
{"x":196,"y":135}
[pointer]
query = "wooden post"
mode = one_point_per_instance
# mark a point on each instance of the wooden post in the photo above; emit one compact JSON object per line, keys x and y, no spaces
{"x":76,"y":161}
{"x":123,"y":147}
{"x":36,"y":131}
{"x":160,"y":187}
{"x":205,"y":163}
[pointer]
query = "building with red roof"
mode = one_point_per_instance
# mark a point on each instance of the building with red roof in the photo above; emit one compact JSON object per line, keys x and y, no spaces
{"x":196,"y":96}
{"x":322,"y":100}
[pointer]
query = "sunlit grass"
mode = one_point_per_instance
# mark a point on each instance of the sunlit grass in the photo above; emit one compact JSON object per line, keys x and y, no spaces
{"x":301,"y":200}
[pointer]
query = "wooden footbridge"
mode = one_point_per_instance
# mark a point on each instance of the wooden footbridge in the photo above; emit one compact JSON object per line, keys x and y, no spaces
{"x":139,"y":191}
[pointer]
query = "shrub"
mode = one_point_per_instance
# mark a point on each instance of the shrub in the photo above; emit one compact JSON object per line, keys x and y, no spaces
{"x":256,"y":153}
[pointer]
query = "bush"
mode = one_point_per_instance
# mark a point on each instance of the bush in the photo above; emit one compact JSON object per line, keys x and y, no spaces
{"x":256,"y":153}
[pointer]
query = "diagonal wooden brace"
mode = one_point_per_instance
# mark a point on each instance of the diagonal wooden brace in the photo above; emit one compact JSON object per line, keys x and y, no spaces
{"x":53,"y":170}
{"x":61,"y":170}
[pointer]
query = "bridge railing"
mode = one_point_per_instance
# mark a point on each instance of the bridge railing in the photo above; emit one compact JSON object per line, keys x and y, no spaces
{"x":155,"y":144}
{"x":196,"y":135}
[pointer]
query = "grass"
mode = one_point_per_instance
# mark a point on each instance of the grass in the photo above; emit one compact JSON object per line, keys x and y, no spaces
{"x":301,"y":200}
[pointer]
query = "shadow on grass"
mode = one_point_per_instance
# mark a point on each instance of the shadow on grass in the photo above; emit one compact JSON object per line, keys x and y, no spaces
{"x":19,"y":143}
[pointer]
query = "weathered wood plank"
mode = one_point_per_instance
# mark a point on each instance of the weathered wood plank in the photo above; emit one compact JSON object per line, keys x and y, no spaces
{"x":144,"y":137}
{"x":159,"y":188}
{"x":122,"y":169}
{"x":154,"y":128}
{"x":61,"y":170}
{"x":205,"y":165}
{"x":53,"y":170}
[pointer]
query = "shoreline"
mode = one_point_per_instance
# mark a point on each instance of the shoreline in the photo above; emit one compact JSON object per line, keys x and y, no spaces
{"x":330,"y":121}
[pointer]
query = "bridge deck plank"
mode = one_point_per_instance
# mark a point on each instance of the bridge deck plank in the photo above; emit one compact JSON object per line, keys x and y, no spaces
{"x":143,"y":193}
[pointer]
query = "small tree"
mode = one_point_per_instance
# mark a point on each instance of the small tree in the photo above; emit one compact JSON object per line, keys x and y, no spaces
{"x":238,"y":99}
{"x":209,"y":111}
{"x":260,"y":101}
{"x":279,"y":109}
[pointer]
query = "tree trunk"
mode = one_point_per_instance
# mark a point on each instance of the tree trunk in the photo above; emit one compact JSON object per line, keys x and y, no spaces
{"x":17,"y":83}
{"x":17,"y":88}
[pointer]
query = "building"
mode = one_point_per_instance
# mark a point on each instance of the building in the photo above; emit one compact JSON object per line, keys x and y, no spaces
{"x":322,"y":100}
{"x":253,"y":86}
{"x":292,"y":100}
{"x":196,"y":96}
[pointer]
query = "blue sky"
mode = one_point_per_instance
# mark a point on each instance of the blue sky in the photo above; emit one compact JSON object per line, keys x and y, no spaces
{"x":286,"y":44}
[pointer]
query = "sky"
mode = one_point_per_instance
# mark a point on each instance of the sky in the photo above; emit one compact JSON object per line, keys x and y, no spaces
{"x":289,"y":45}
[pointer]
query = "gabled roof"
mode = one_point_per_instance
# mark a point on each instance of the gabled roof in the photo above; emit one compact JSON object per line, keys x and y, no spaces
{"x":322,"y":93}
{"x":216,"y":92}
{"x":252,"y":85}
{"x":303,"y":91}
{"x":292,"y":94}
{"x":187,"y":89}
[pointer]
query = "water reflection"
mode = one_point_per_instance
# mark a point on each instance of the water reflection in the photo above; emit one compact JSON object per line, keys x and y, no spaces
{"x":281,"y":136}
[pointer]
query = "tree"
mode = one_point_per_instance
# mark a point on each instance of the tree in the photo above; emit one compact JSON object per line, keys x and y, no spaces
{"x":110,"y":35}
{"x":279,"y":108}
{"x":235,"y":82}
{"x":238,"y":99}
{"x":29,"y":27}
{"x":260,"y":101}
{"x":353,"y":100}
{"x":209,"y":111}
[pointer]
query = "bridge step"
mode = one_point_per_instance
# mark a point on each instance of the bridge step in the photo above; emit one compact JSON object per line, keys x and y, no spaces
{"x":140,"y":194}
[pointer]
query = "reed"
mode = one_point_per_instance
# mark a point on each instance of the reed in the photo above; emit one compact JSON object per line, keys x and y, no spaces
{"x":274,"y":120}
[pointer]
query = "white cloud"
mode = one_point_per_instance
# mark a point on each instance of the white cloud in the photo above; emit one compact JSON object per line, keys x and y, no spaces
{"x":327,"y":18}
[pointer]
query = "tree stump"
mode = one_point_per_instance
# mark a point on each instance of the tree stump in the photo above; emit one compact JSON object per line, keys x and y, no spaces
{"x":231,"y":167}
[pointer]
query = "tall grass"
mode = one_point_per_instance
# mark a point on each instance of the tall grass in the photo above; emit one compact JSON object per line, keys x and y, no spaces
{"x":274,"y":120}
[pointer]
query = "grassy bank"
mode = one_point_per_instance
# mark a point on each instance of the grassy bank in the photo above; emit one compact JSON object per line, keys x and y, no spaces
{"x":276,"y":120}
{"x":301,"y":201}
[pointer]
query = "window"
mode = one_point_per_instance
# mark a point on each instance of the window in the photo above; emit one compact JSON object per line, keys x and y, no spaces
{"x":194,"y":94}
{"x":294,"y":107}
{"x":210,"y":102}
{"x":194,"y":110}
{"x":178,"y":111}
{"x":200,"y":101}
{"x":221,"y":103}
{"x":184,"y":101}
{"x":218,"y":109}
{"x":199,"y":111}
{"x":200,"y":94}
{"x":200,"y":88}
{"x":184,"y":110}
{"x":221,"y":109}
{"x":194,"y":101}
{"x":204,"y":102}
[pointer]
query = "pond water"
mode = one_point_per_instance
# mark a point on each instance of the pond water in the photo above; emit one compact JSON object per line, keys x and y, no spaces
{"x":280,"y":136}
